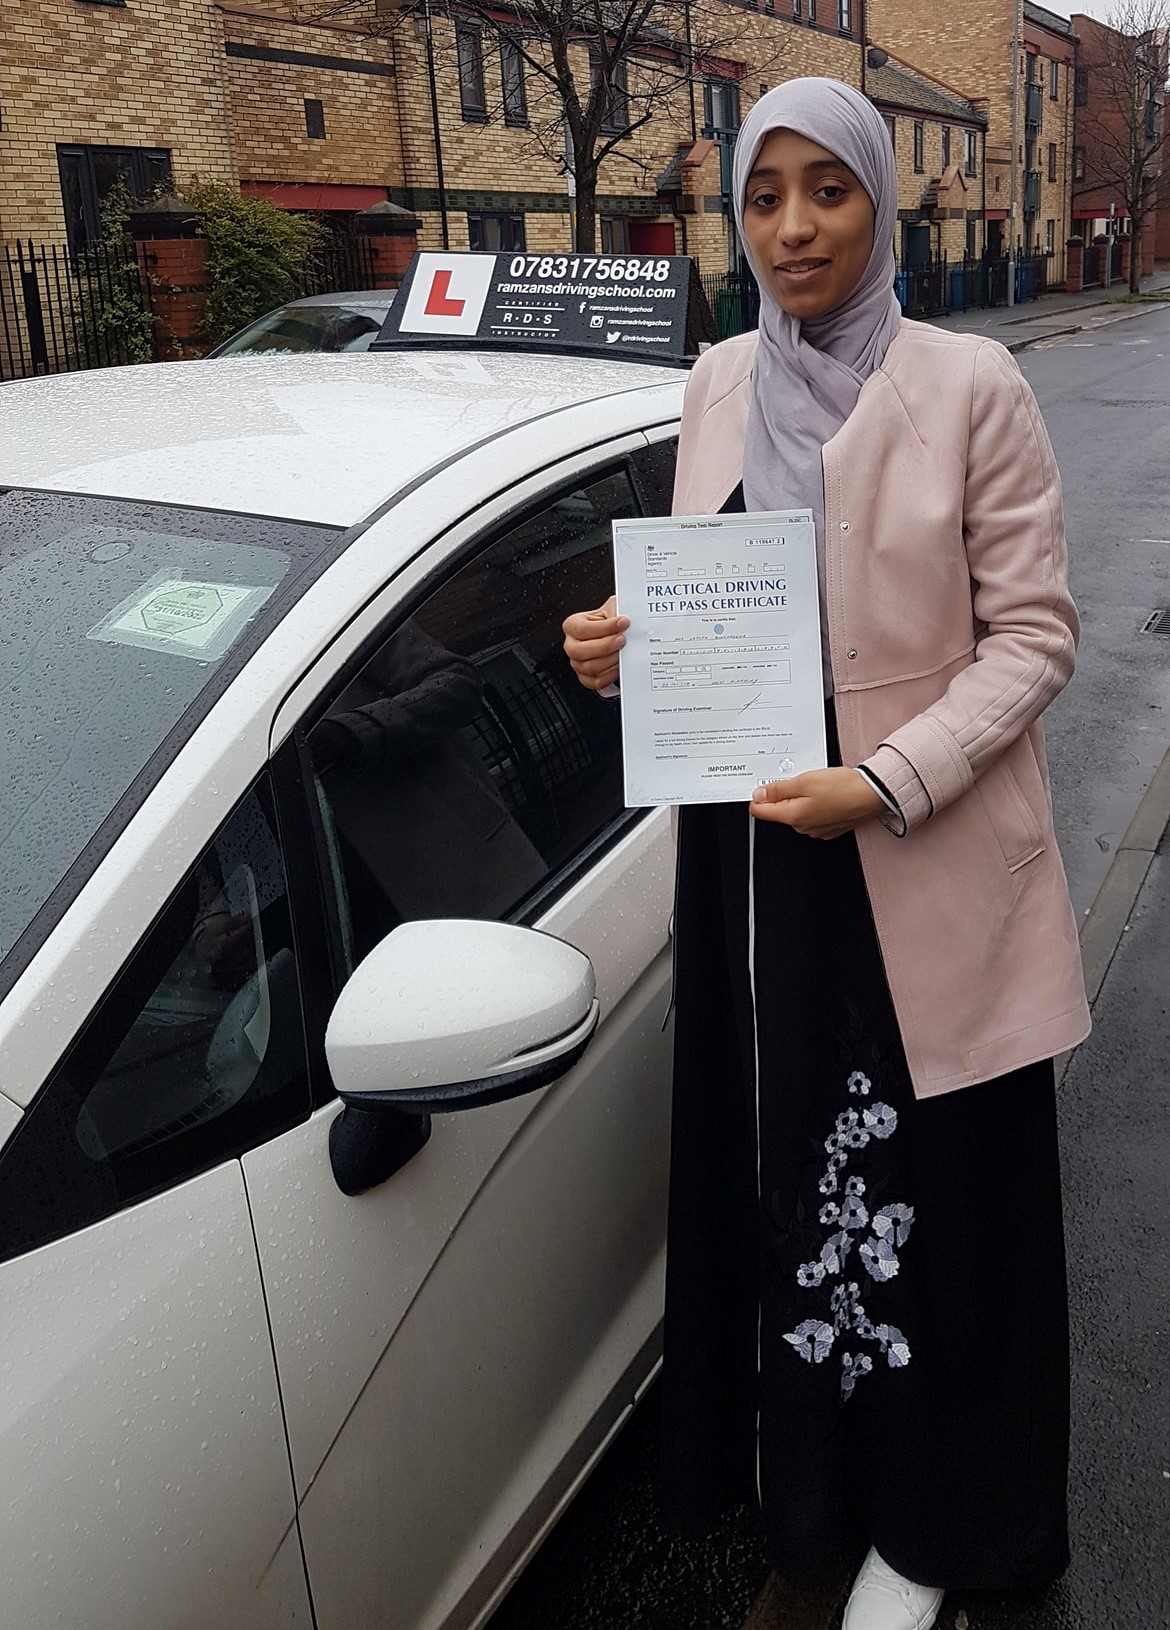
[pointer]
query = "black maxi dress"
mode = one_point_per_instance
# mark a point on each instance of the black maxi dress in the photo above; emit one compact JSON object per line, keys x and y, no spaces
{"x":866,"y":1313}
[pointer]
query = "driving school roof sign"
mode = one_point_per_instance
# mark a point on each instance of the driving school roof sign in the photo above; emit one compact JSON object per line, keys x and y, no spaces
{"x":646,"y":306}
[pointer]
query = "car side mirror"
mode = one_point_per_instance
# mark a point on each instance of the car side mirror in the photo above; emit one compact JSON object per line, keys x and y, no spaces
{"x":447,"y":1015}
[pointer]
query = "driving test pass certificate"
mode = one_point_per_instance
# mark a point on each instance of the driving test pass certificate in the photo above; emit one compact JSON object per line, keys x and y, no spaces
{"x":721,"y":680}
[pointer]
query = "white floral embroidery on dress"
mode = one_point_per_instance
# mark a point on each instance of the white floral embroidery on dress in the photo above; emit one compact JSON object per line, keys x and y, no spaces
{"x":851,"y":1368}
{"x":890,"y":1226}
{"x":812,"y":1340}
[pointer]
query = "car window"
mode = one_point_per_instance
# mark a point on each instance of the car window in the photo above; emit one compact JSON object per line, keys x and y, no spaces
{"x":196,"y":1053}
{"x":308,"y":328}
{"x":464,"y":766}
{"x":121,"y":619}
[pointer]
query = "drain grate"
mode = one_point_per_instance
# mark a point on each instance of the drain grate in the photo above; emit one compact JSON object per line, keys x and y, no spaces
{"x":1158,"y":622}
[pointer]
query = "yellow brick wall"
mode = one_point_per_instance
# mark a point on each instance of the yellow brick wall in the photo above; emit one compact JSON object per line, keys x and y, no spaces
{"x":494,"y":159}
{"x":1056,"y":196}
{"x":362,"y":145}
{"x":970,"y":49}
{"x":948,"y":220}
{"x":146,"y":75}
{"x":967,"y":47}
{"x":156,"y":74}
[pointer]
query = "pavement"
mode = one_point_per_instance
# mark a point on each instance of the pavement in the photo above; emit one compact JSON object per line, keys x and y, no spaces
{"x":1053,"y":316}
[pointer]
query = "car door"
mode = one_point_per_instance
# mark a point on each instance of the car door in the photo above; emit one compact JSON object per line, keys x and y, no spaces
{"x":455,"y":1344}
{"x":145,"y":1467}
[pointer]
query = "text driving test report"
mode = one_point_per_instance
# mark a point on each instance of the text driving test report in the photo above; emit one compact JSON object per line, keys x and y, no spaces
{"x":721,"y":679}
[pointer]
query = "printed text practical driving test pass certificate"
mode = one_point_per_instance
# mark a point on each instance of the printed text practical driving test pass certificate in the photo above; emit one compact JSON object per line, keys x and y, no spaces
{"x":721,"y":680}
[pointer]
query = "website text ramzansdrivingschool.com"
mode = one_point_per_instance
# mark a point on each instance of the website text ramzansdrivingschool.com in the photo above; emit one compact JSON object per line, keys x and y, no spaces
{"x":586,"y":291}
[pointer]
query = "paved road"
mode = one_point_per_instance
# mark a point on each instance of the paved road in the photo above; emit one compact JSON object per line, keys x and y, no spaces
{"x":1106,"y":397}
{"x":1106,"y":400}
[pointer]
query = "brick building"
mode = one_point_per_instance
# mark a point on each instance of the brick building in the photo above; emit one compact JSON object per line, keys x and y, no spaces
{"x":1027,"y":99}
{"x":332,"y":114}
{"x":1120,"y":97}
{"x":939,"y":139}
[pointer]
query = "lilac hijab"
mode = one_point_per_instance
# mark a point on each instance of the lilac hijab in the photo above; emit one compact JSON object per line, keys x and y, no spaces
{"x":808,"y":374}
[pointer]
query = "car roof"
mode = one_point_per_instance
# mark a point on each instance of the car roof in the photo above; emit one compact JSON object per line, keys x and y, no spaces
{"x":383,"y":299}
{"x":319,"y":437}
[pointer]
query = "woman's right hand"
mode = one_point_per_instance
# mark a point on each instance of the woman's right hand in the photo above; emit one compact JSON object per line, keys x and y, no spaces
{"x":592,"y":642}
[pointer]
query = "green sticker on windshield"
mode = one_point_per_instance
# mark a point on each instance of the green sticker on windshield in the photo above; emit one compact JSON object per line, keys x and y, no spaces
{"x":193,"y":618}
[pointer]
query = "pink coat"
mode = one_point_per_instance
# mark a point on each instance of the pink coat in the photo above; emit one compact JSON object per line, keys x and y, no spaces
{"x":951,"y":629}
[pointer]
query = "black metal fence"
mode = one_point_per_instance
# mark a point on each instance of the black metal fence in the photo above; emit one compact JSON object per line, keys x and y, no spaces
{"x":60,"y":312}
{"x":734,"y":300}
{"x":923,"y":289}
{"x":928,"y":289}
{"x":1102,"y":264}
{"x":341,"y":264}
{"x":942,"y":285}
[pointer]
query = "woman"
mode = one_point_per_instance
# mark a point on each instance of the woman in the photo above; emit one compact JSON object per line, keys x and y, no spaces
{"x":866,"y":1321}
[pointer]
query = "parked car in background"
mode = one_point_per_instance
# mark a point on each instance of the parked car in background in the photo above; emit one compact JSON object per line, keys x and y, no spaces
{"x":321,"y":322}
{"x":302,"y":803}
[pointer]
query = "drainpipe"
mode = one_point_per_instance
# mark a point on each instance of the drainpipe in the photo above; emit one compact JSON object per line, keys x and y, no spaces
{"x":983,"y":173}
{"x":438,"y":140}
{"x":863,"y":26}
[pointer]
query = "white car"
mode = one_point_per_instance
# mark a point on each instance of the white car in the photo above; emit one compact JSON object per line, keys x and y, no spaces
{"x":293,"y":766}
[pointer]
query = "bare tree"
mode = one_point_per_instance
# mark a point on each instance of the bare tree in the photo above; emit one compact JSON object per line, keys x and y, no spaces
{"x":1123,"y":123}
{"x":595,"y":71}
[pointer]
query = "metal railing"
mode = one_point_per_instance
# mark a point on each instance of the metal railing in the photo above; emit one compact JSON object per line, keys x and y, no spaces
{"x":941,"y":285}
{"x":1034,"y":107}
{"x":927,"y":289}
{"x":734,"y":300}
{"x":923,"y":289}
{"x":1101,"y":264}
{"x":60,"y":312}
{"x":338,"y":265}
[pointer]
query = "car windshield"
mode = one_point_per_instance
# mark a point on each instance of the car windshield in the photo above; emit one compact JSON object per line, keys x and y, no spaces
{"x":122,"y":621}
{"x":308,"y":328}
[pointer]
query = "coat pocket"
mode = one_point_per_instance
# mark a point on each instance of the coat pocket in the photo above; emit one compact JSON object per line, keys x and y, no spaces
{"x":1017,"y":827}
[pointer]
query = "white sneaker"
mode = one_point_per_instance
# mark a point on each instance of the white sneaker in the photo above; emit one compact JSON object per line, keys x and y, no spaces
{"x":882,"y":1600}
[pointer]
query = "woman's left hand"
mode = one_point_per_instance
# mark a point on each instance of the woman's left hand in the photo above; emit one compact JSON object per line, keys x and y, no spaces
{"x":819,"y":804}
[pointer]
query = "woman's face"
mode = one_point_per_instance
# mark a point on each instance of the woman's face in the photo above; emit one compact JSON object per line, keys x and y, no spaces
{"x":809,"y":224}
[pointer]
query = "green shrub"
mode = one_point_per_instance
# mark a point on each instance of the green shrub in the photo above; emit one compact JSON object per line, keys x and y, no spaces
{"x":115,"y":323}
{"x":260,"y":256}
